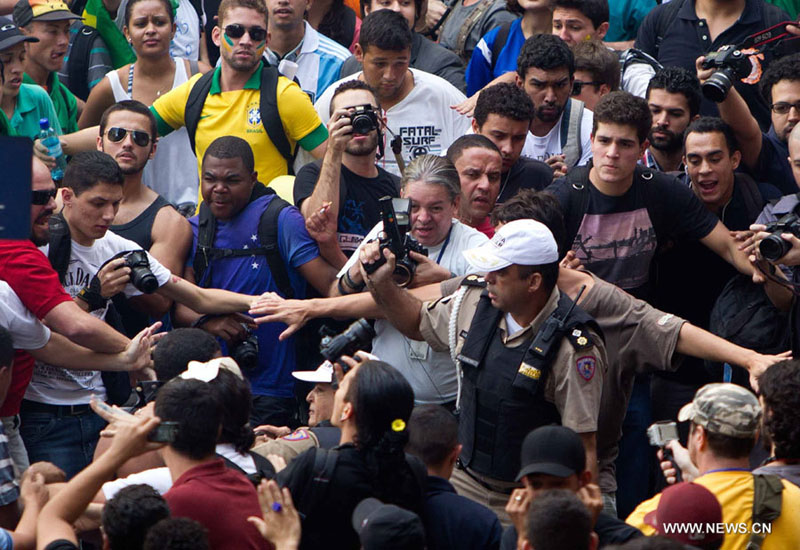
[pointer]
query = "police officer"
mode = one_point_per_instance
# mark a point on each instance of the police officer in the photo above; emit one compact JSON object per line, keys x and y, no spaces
{"x":527,"y":357}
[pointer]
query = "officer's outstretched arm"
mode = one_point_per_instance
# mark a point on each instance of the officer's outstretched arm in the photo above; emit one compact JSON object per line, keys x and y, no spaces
{"x":399,"y":307}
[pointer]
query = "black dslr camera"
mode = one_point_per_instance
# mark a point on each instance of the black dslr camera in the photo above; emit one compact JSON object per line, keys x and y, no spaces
{"x":735,"y":62}
{"x":364,"y":119}
{"x":141,"y":276}
{"x":355,"y":337}
{"x":245,"y":352}
{"x":774,"y":247}
{"x":396,"y":216}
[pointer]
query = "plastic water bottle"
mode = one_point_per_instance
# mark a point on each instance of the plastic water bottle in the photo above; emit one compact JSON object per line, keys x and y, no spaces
{"x":50,"y":139}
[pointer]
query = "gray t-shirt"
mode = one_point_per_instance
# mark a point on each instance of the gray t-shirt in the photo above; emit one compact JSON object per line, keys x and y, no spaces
{"x":495,"y":15}
{"x":789,"y":472}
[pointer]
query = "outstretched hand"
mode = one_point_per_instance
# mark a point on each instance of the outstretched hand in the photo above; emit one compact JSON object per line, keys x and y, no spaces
{"x":274,"y":309}
{"x":280,"y":523}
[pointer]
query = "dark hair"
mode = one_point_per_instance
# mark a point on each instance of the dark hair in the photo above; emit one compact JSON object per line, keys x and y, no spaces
{"x":596,"y":59}
{"x":177,"y":534}
{"x":711,"y":124}
{"x":130,"y":513}
{"x":166,"y":3}
{"x":386,"y":30}
{"x":725,"y":446}
{"x":594,"y":10}
{"x":432,"y":434}
{"x":469,"y":141}
{"x":334,"y":26}
{"x":233,"y":394}
{"x":231,"y":147}
{"x":677,"y":80}
{"x":549,"y":273}
{"x":417,"y":8}
{"x":382,"y":401}
{"x":181,"y":345}
{"x":541,"y":206}
{"x":6,"y":348}
{"x":557,"y":519}
{"x":785,"y":68}
{"x":226,"y":5}
{"x":546,"y":52}
{"x":90,"y":168}
{"x":504,"y":99}
{"x":354,"y":84}
{"x":626,"y":110}
{"x":780,"y":387}
{"x":194,"y":406}
{"x":134,"y":107}
{"x":656,"y":542}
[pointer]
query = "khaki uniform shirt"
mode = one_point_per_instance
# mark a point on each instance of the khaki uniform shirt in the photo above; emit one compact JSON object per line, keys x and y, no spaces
{"x":575,"y":381}
{"x":288,"y":446}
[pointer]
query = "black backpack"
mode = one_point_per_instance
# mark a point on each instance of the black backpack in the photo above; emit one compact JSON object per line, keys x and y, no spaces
{"x":78,"y":66}
{"x":205,"y":253}
{"x":264,"y":468}
{"x":268,"y":107}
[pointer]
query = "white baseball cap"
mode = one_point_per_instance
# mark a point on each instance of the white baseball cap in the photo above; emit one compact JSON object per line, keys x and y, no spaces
{"x":522,"y":242}
{"x":323,"y":374}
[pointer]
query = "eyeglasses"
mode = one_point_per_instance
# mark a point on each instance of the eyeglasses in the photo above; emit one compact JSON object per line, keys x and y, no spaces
{"x":142,"y":139}
{"x":237,"y":31}
{"x":782,"y":107}
{"x":42,"y":196}
{"x":577,"y":86}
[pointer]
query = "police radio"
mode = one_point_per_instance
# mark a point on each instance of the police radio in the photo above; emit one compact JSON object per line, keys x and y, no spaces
{"x":538,"y":353}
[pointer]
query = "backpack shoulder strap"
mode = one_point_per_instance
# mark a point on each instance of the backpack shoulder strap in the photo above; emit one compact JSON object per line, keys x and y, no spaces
{"x":268,"y":236}
{"x":321,"y":475}
{"x":270,"y":115}
{"x":664,"y":21}
{"x":60,"y":248}
{"x":194,"y":104}
{"x":571,"y":146}
{"x":264,"y":467}
{"x":206,"y":229}
{"x":78,"y":66}
{"x":466,"y":27}
{"x":767,"y":503}
{"x":500,"y":41}
{"x":577,"y":207}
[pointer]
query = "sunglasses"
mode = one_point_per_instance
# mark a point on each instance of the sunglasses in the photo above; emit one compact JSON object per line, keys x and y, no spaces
{"x":43,"y":196}
{"x":577,"y":86}
{"x":115,"y":135}
{"x":237,"y":31}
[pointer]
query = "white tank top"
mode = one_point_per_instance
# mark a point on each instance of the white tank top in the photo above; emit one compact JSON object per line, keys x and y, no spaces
{"x":172,"y":172}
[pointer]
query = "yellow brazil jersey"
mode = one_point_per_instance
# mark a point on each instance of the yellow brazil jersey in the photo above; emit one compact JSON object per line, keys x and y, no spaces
{"x":237,"y":113}
{"x":734,"y":491}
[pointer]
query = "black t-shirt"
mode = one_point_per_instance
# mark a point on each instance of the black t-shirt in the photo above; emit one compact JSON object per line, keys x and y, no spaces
{"x":526,"y":173}
{"x":61,"y":544}
{"x":358,"y":200}
{"x":616,"y":237}
{"x":327,"y":509}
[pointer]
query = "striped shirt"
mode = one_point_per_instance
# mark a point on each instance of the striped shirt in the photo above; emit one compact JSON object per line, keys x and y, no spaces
{"x":99,"y":59}
{"x":319,"y":60}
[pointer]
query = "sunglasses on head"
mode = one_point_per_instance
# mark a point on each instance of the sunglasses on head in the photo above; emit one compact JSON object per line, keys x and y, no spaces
{"x":43,"y":196}
{"x":142,"y":139}
{"x":577,"y":86}
{"x":237,"y":31}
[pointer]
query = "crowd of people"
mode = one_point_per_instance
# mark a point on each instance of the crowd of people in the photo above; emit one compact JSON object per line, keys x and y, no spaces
{"x":401,"y":274}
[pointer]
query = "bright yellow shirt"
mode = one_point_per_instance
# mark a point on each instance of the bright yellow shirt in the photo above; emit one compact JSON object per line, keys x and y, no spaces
{"x":734,"y":491}
{"x":236,"y":113}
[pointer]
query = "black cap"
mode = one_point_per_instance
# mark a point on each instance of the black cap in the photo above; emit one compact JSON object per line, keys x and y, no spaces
{"x":552,"y":450}
{"x":387,"y":527}
{"x":10,"y":34}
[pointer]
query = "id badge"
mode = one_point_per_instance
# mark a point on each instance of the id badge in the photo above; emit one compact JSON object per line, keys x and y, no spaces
{"x":418,"y":350}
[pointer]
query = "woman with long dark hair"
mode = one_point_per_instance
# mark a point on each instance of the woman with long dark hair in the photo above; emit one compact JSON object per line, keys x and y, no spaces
{"x":372,"y":406}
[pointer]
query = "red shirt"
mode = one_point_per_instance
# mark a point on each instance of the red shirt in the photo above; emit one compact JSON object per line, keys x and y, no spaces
{"x":220,"y":499}
{"x":29,"y":274}
{"x":486,"y":227}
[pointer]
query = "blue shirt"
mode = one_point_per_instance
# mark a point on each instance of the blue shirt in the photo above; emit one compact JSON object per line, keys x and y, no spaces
{"x":251,"y":275}
{"x":625,"y":18}
{"x":480,"y":70}
{"x":6,"y":542}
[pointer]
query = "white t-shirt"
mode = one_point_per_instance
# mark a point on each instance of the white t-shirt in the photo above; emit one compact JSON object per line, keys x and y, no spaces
{"x":423,"y":119}
{"x":431,"y":374}
{"x":25,"y":329}
{"x":57,"y":385}
{"x":160,"y":479}
{"x":544,"y":147}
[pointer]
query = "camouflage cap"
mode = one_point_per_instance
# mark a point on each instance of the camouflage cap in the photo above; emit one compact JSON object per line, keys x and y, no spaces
{"x":725,"y":409}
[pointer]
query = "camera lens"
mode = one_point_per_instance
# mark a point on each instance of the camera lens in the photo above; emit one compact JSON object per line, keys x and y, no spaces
{"x":718,"y":85}
{"x":144,"y":280}
{"x":362,"y":124}
{"x":773,"y":248}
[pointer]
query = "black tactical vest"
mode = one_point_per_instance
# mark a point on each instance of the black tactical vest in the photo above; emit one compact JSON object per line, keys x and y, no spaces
{"x":503,"y":388}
